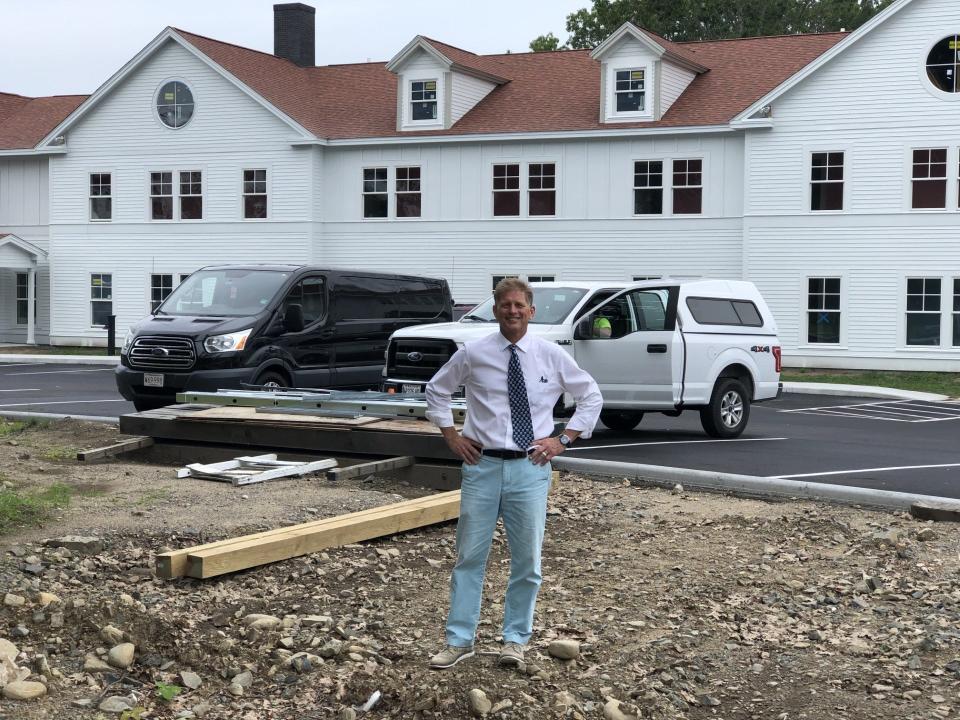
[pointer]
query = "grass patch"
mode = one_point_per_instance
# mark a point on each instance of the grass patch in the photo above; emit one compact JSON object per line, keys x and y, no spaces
{"x":932,"y":382}
{"x":53,"y":350}
{"x":23,"y":508}
{"x":12,"y":427}
{"x":153,"y":496}
{"x":56,"y":453}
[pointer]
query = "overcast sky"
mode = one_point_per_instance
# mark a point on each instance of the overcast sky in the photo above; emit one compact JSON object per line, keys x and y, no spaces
{"x":63,"y":47}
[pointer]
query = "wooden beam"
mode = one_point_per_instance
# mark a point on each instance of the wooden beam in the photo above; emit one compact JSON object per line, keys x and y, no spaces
{"x":119,"y":448}
{"x":370,"y":468}
{"x":174,"y":564}
{"x":341,"y":530}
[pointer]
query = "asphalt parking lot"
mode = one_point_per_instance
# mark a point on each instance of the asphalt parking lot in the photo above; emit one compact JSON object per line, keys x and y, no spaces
{"x":901,"y":445}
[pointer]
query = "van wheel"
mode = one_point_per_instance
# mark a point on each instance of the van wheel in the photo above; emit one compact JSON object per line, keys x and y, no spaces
{"x":729,"y":410}
{"x":272,"y":380}
{"x":621,"y":420}
{"x":144,"y":405}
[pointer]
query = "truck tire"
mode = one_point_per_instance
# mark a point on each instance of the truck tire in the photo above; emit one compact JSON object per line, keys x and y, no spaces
{"x":621,"y":420}
{"x":729,"y":410}
{"x":272,"y":380}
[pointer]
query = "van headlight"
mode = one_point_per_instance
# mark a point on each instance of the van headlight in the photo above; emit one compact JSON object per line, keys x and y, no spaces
{"x":227,"y":343}
{"x":127,"y":341}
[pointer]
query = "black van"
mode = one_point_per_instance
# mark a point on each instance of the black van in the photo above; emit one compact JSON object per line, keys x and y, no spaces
{"x":273,"y":325}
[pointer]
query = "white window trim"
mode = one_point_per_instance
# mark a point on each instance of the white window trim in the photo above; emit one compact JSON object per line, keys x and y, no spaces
{"x":524,"y":275}
{"x":953,"y":177}
{"x":802,"y":342}
{"x":921,"y":65}
{"x":703,"y":170}
{"x":392,"y":192}
{"x":524,"y":190}
{"x":113,"y":209}
{"x":408,"y":108}
{"x":667,"y":186}
{"x":91,"y":300}
{"x":153,"y":104}
{"x":808,"y":179}
{"x":666,"y":199}
{"x":268,"y":178}
{"x":175,"y":194}
{"x":946,"y":314}
{"x":150,"y":286}
{"x":17,"y":299}
{"x":621,"y":64}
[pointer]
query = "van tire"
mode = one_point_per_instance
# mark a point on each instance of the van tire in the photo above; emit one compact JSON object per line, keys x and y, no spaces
{"x":621,"y":420}
{"x":272,"y":380}
{"x":144,"y":405}
{"x":729,"y":410}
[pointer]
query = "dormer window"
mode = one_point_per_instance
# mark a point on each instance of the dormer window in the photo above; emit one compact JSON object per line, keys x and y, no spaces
{"x":423,"y":100}
{"x":631,"y":90}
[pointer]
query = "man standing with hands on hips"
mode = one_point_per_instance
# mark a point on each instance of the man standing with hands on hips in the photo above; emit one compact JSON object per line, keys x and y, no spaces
{"x":512,"y":380}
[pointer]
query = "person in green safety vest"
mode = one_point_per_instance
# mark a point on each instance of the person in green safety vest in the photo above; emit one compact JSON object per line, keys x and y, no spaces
{"x":601,"y":327}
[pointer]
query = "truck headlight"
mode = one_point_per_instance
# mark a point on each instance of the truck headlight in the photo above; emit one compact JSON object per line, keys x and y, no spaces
{"x":227,"y":343}
{"x":127,"y":341}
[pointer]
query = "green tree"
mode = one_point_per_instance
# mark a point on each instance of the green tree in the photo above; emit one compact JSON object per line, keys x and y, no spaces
{"x":715,"y":19}
{"x":545,"y":43}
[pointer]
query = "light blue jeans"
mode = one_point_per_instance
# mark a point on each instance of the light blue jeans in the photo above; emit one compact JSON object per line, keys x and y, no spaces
{"x":517,"y":491}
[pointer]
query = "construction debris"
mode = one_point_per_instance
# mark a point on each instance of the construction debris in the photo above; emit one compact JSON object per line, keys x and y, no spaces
{"x":253,"y":469}
{"x":119,"y":448}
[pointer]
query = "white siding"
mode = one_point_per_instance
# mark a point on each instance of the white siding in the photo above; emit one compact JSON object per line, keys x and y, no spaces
{"x":673,"y":81}
{"x":24,"y":192}
{"x":466,"y":91}
{"x":874,"y":103}
{"x":122,"y":135}
{"x":422,"y":66}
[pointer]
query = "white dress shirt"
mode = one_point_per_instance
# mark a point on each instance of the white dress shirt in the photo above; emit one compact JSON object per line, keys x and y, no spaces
{"x":481,"y":367}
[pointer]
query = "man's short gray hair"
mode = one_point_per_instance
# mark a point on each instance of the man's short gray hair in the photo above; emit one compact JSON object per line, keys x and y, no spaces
{"x":512,"y":284}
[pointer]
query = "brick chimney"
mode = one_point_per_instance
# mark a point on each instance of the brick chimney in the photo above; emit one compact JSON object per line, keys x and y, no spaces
{"x":294,"y":34}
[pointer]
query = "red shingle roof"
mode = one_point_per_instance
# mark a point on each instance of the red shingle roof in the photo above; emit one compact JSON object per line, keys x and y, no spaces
{"x":26,"y":121}
{"x":551,"y":91}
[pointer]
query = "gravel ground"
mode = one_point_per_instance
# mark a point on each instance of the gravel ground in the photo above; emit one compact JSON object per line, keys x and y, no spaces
{"x":671,"y":604}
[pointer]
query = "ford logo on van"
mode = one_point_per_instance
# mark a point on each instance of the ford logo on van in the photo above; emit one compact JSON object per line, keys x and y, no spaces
{"x":415,"y":356}
{"x":159,"y":352}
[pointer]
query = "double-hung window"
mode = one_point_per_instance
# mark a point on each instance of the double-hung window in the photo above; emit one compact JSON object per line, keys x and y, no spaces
{"x":375,"y":198}
{"x":161,"y":285}
{"x":255,"y":194}
{"x":529,"y":278}
{"x":630,"y":90}
{"x":408,"y":191}
{"x":506,"y":190}
{"x":191,"y":195}
{"x":101,"y":196}
{"x":542,"y":189}
{"x":423,"y":100}
{"x":923,"y":310}
{"x":956,"y":312}
{"x":929,"y":179}
{"x":687,"y":187}
{"x":648,"y":187}
{"x":101,"y":298}
{"x":823,"y":310}
{"x":161,"y":195}
{"x":22,"y":299}
{"x":826,"y":181}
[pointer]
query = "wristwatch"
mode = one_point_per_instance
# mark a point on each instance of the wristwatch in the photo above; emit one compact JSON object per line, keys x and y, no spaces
{"x":565,"y":440}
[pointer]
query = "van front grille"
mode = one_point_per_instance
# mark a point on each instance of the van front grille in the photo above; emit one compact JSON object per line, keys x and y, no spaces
{"x":418,"y":358}
{"x":162,"y":352}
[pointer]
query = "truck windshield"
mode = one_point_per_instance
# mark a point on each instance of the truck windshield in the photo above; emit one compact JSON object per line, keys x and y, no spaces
{"x":553,"y":304}
{"x":224,"y":293}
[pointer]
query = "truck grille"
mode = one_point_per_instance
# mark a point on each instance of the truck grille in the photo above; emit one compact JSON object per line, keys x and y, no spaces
{"x":162,"y":353}
{"x":418,"y":358}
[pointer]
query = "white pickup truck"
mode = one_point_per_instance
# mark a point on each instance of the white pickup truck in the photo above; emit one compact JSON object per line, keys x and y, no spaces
{"x":657,"y":346}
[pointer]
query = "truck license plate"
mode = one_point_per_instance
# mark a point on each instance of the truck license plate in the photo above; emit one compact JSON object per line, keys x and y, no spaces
{"x":152,"y":380}
{"x":411,"y":388}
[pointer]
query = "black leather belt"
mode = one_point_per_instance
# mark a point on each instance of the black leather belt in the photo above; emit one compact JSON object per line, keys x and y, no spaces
{"x":505,"y":454}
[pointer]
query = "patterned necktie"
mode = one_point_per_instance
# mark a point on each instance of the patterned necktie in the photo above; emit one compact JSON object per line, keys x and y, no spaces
{"x":519,"y":404}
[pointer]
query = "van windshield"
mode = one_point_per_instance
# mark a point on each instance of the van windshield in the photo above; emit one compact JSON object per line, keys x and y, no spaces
{"x":224,"y":293}
{"x":553,"y":304}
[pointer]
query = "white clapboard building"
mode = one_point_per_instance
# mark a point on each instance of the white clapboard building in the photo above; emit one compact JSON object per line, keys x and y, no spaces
{"x":824,"y":168}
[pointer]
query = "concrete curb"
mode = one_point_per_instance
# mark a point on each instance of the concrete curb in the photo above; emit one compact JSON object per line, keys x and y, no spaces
{"x":60,"y":359}
{"x":750,"y":485}
{"x":868,"y":391}
{"x":11,"y":415}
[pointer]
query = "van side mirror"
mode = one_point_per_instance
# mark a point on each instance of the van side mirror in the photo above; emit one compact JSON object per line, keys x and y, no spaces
{"x":584,"y":329}
{"x":293,"y":318}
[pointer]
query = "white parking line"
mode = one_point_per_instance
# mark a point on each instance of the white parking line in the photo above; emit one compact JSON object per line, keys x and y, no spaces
{"x":863,"y":470}
{"x":895,"y":411}
{"x":667,"y":442}
{"x":57,"y":372}
{"x":22,"y":390}
{"x":60,"y":402}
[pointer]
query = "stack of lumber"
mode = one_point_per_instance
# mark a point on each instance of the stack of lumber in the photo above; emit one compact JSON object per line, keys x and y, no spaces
{"x":212,"y":559}
{"x":250,"y":416}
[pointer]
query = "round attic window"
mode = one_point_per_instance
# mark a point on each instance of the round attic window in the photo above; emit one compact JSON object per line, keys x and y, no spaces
{"x":943,"y":64}
{"x":175,"y":104}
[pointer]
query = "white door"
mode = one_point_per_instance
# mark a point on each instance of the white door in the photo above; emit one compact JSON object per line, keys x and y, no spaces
{"x":631,"y":347}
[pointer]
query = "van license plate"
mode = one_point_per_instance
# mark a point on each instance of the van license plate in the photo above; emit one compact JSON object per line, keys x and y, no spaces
{"x":407,"y":387}
{"x":152,"y":380}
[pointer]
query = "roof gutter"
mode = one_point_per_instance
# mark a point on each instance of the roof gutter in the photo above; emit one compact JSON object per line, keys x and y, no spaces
{"x":27,"y":152}
{"x":519,"y":137}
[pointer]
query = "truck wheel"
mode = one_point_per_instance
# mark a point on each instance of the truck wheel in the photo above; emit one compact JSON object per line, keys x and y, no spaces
{"x":622,"y":420}
{"x":272,"y":380}
{"x":729,"y":410}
